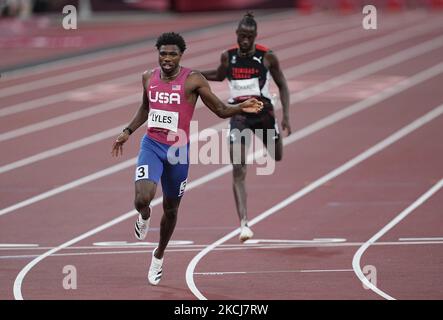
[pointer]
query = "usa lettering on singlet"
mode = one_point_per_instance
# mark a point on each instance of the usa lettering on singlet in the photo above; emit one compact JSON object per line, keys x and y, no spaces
{"x":170,"y":113}
{"x":248,"y":76}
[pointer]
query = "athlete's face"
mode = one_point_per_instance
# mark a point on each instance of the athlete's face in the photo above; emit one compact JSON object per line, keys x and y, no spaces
{"x":245,"y":38}
{"x":169,"y":58}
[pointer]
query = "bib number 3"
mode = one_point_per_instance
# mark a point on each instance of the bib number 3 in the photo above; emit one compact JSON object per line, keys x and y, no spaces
{"x":141,"y":172}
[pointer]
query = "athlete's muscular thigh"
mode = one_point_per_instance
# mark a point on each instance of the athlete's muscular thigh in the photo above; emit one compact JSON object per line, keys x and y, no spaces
{"x":144,"y":192}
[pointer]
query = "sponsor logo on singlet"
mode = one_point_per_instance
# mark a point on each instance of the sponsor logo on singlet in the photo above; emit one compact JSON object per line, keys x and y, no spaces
{"x":164,"y":97}
{"x":163,"y":119}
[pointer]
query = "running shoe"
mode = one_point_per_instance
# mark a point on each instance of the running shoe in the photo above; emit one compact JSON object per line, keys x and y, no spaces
{"x":141,"y":227}
{"x":155,"y":270}
{"x":246,"y":233}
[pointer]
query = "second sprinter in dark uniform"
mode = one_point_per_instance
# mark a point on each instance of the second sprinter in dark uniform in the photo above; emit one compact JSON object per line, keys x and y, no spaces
{"x":249,"y":68}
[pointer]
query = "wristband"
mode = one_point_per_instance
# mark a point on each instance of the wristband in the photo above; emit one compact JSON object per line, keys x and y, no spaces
{"x":129,"y":130}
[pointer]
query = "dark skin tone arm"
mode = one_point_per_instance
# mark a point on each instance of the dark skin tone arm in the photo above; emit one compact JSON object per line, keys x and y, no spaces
{"x":218,"y":74}
{"x":273,"y":65}
{"x":197,"y":85}
{"x":139,"y":118}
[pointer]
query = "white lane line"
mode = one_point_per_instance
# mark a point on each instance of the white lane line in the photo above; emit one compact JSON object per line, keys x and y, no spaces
{"x":421,"y":239}
{"x":17,"y":245}
{"x":322,"y":123}
{"x":329,"y":59}
{"x":269,"y":245}
{"x":295,"y":97}
{"x":294,"y":137}
{"x":222,"y":273}
{"x":196,"y":248}
{"x":313,"y":241}
{"x":311,"y":187}
{"x":357,"y":257}
{"x":142,"y":59}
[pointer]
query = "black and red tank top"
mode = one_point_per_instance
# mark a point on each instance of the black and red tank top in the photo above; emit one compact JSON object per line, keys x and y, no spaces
{"x":248,"y":76}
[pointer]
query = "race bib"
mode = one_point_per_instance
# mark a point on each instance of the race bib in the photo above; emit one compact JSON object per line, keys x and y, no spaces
{"x":244,"y":87}
{"x":163,"y":119}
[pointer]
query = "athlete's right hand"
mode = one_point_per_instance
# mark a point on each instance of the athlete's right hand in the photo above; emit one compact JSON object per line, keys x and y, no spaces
{"x":117,"y":146}
{"x":252,"y":105}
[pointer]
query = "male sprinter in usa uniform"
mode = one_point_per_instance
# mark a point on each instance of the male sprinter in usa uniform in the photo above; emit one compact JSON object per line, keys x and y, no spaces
{"x":170,"y":93}
{"x":248,"y":67}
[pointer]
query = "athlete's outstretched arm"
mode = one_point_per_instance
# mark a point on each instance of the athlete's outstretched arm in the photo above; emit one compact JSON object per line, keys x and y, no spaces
{"x":280,"y":81}
{"x":218,"y":74}
{"x":201,"y":86}
{"x":139,"y":118}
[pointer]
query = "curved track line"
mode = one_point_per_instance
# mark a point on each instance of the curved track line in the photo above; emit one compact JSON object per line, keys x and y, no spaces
{"x":357,"y":257}
{"x":311,"y":187}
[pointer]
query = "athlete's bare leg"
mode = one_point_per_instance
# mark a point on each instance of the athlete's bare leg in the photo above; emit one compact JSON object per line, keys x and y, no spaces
{"x":273,"y":146}
{"x":144,"y":193}
{"x":167,"y":224}
{"x":239,"y":177}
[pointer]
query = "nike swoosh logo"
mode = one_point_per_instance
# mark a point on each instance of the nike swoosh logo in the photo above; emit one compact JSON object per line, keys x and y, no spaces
{"x":152,"y":87}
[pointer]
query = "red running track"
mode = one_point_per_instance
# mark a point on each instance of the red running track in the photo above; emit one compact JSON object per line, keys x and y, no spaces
{"x":305,"y":247}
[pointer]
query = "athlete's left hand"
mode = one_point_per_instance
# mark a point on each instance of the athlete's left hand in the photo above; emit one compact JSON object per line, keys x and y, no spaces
{"x":285,"y":125}
{"x":252,"y":105}
{"x":117,"y":146}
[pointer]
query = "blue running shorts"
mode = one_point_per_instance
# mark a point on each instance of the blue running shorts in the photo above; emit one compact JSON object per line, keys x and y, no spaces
{"x":170,"y":163}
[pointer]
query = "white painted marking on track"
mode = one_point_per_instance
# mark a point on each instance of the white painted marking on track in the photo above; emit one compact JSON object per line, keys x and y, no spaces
{"x":140,"y":244}
{"x":402,"y":215}
{"x":221,"y":273}
{"x":418,"y":123}
{"x":318,"y":240}
{"x":17,"y":245}
{"x":196,"y":248}
{"x":421,"y":239}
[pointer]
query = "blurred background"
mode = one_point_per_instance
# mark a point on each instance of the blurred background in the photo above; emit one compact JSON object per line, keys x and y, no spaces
{"x":31,"y":31}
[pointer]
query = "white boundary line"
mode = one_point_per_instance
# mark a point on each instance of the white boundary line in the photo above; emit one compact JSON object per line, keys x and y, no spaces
{"x":292,"y":245}
{"x":357,"y":257}
{"x":311,"y":187}
{"x":192,"y":248}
